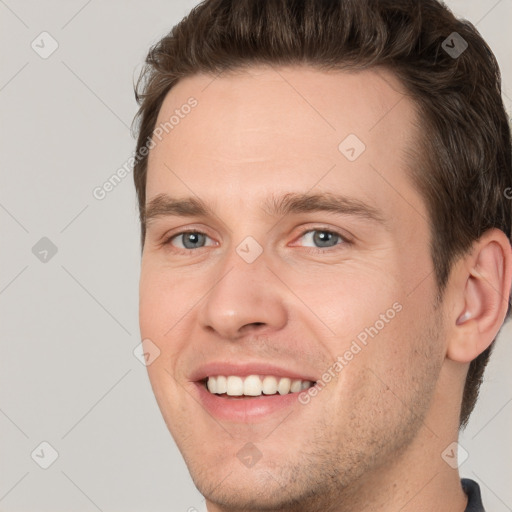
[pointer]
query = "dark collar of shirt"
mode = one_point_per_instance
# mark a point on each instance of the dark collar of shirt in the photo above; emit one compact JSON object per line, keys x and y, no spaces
{"x":472,"y":489}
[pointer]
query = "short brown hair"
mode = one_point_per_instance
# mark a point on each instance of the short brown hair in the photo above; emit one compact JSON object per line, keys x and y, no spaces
{"x":463,"y":169}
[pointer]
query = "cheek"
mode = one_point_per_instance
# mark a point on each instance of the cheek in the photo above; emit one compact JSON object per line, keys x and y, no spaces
{"x":377,"y":323}
{"x":168,"y":305}
{"x":161,"y":301}
{"x":351,"y":300}
{"x":388,"y":384}
{"x":160,"y":308}
{"x":157,"y":305}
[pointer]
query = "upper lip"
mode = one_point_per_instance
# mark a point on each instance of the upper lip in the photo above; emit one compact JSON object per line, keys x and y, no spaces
{"x":248,"y":368}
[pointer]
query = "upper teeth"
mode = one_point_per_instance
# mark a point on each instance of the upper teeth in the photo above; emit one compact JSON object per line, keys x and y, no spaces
{"x":255,"y":385}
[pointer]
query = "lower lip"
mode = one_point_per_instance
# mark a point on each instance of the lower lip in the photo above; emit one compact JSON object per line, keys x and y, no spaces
{"x":244,"y":410}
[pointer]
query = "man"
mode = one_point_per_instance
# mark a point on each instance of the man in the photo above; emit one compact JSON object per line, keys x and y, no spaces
{"x":326,"y":249}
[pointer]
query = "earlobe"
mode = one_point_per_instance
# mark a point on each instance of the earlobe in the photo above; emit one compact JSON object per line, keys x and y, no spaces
{"x":484,"y":282}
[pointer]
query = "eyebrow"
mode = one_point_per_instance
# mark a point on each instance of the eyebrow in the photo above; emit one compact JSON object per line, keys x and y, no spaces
{"x":164,"y":205}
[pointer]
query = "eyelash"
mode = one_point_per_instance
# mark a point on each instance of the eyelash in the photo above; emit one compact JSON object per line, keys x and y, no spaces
{"x":313,"y":250}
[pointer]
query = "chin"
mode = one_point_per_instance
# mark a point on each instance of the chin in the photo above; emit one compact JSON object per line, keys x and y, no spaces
{"x":240,"y":490}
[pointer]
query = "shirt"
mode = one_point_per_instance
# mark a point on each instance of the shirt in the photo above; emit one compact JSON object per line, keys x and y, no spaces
{"x":470,"y":487}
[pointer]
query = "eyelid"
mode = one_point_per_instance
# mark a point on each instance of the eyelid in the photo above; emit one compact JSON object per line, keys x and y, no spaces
{"x":168,"y":235}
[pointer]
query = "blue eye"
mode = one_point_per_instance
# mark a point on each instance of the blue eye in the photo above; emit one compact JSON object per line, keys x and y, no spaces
{"x":189,"y":240}
{"x":322,"y":238}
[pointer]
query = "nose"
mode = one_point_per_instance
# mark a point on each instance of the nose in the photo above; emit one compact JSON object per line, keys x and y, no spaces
{"x":246,"y":298}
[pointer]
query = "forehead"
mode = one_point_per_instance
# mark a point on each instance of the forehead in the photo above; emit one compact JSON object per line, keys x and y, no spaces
{"x":287,"y":128}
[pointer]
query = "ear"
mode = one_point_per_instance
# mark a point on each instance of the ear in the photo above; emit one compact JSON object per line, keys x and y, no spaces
{"x":480,"y":284}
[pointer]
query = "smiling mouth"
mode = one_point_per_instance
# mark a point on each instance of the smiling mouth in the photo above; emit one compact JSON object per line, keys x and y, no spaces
{"x":253,"y":386}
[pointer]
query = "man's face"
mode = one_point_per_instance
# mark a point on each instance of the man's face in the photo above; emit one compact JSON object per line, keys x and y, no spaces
{"x":343,"y":299}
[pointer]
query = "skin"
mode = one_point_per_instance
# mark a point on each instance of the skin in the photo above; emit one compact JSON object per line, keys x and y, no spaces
{"x":372,"y":439}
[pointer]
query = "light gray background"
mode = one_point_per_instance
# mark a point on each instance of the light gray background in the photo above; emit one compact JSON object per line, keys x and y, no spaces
{"x":69,"y":326}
